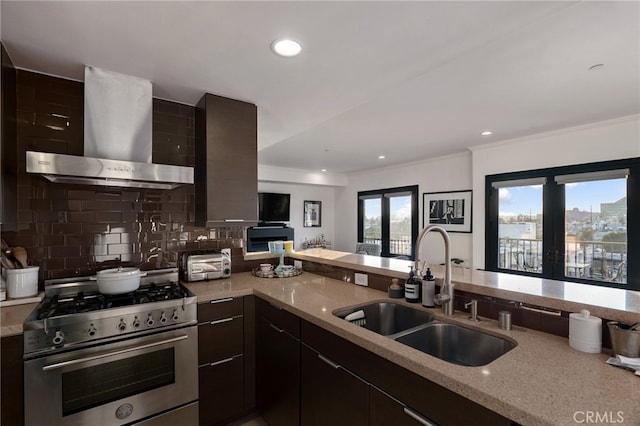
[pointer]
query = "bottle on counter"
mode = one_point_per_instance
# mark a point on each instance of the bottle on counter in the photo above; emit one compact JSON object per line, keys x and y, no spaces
{"x":412,"y":288}
{"x":428,"y":289}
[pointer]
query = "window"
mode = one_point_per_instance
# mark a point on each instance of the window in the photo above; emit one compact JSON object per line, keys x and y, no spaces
{"x":572,"y":223}
{"x":389,"y":217}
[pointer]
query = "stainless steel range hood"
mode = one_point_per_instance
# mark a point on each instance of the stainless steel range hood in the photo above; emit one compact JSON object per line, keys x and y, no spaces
{"x":117,"y":139}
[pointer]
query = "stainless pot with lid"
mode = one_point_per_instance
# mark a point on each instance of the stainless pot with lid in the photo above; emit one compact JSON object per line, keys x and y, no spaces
{"x":118,"y":280}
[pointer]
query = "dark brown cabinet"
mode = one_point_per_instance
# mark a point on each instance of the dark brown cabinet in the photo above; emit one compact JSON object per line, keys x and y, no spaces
{"x":423,"y":399}
{"x":330,"y":394}
{"x":11,"y":380}
{"x":307,"y":375}
{"x":385,"y":410}
{"x":278,"y":365}
{"x":8,"y":142}
{"x":221,"y":360}
{"x":226,"y":166}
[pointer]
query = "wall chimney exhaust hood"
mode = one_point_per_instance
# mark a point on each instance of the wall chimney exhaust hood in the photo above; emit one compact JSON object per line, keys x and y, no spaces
{"x":117,"y":139}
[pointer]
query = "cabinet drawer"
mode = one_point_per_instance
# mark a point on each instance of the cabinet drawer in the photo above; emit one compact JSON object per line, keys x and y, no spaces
{"x":221,"y":391}
{"x":220,"y":339}
{"x":384,"y":410}
{"x":280,"y":318}
{"x":219,"y":309}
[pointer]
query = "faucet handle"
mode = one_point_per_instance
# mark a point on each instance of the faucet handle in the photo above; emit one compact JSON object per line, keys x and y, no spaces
{"x":474,"y":310}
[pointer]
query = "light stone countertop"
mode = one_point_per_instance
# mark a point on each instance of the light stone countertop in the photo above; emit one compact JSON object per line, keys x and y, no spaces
{"x":611,"y":303}
{"x":12,"y":317}
{"x":542,"y":381}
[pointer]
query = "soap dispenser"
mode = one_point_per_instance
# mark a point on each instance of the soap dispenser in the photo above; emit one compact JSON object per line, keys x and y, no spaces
{"x":412,"y":288}
{"x":428,"y":289}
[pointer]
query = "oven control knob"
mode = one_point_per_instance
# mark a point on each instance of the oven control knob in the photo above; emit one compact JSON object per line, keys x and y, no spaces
{"x":92,"y":330}
{"x":174,"y":316}
{"x":58,"y":338}
{"x":163,"y":318}
{"x":136,"y":322}
{"x":150,"y":321}
{"x":122,"y":326}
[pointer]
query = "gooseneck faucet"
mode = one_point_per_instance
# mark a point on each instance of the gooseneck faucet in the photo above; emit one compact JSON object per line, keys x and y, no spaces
{"x":445,"y":297}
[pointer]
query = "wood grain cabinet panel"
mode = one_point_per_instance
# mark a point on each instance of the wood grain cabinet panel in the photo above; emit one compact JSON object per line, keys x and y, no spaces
{"x":277,"y":365}
{"x":226,"y":166}
{"x":221,"y":371}
{"x":220,"y":339}
{"x":385,"y":411}
{"x":330,"y":394}
{"x":12,"y":380}
{"x":220,"y":309}
{"x":221,"y":391}
{"x":434,"y":402}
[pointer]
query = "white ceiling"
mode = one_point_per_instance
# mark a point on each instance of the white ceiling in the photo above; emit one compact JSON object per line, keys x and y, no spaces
{"x":408,"y":80}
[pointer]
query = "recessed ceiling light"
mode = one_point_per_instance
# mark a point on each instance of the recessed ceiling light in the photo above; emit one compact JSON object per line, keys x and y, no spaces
{"x":323,"y":170}
{"x":596,"y":67}
{"x":286,"y":47}
{"x":486,"y":133}
{"x":381,"y":157}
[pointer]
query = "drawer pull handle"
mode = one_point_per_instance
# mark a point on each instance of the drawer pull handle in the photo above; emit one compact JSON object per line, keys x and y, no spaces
{"x":222,"y":361}
{"x":540,"y":311}
{"x":417,"y":417}
{"x":228,"y":299}
{"x":114,"y":353}
{"x":221,"y":321}
{"x":279,"y":330}
{"x":328,"y":361}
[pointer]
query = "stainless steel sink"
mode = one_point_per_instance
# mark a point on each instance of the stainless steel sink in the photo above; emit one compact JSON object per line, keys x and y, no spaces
{"x":456,"y":344}
{"x":388,"y":318}
{"x":420,"y":330}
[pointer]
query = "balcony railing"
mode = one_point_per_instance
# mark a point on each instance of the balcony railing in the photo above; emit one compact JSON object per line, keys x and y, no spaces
{"x":596,"y":260}
{"x":399,"y":244}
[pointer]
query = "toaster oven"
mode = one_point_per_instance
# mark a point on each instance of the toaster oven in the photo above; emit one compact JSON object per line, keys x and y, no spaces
{"x":200,"y":265}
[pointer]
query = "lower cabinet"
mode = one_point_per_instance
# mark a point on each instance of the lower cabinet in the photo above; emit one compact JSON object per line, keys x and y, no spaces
{"x":225,"y":339}
{"x":11,"y":380}
{"x":330,"y":394}
{"x":309,"y":376}
{"x":278,"y":365}
{"x":404,"y":392}
{"x":385,"y":410}
{"x":221,"y":391}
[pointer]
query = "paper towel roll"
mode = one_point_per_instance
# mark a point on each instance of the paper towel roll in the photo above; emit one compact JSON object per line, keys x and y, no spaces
{"x":585,"y":332}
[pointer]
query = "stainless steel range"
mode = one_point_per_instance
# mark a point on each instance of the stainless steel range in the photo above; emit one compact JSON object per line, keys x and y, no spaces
{"x":112,"y":360}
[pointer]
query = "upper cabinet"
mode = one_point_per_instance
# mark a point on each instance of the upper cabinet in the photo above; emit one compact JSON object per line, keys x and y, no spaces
{"x":8,"y":136}
{"x":226,"y":166}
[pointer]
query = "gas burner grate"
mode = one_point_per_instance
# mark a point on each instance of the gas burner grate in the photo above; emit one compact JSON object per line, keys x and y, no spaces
{"x":93,"y":301}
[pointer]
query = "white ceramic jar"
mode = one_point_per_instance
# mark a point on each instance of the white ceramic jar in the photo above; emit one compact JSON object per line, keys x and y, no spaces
{"x":22,"y":282}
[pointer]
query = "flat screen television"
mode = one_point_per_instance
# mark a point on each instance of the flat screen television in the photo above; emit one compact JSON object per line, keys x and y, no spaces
{"x":273,"y":207}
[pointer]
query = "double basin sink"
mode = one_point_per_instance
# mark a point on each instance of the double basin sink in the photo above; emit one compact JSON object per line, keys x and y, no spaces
{"x":420,"y":330}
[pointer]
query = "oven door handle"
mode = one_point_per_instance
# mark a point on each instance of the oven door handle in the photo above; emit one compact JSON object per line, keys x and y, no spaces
{"x":121,"y":351}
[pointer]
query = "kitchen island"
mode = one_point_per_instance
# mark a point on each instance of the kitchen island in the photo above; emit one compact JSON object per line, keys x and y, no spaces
{"x":542,"y":381}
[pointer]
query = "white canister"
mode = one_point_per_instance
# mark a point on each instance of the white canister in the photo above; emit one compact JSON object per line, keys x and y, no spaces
{"x":22,"y":282}
{"x":585,"y":332}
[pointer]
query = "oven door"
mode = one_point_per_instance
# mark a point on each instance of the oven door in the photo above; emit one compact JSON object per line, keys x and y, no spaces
{"x":113,"y":384}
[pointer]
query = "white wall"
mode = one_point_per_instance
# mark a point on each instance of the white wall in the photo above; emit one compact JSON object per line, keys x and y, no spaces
{"x":448,"y":173}
{"x":602,"y":141}
{"x":300,"y":193}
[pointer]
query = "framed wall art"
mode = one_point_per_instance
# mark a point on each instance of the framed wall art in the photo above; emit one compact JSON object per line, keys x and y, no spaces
{"x":451,"y":210}
{"x":312,"y":214}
